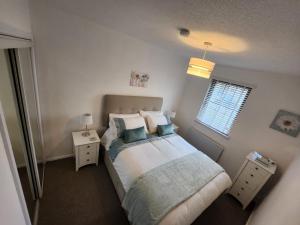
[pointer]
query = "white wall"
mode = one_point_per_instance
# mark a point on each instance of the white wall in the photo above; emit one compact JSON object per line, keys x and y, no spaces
{"x":79,"y":61}
{"x":283,"y":203}
{"x":251,"y":130}
{"x":15,"y":18}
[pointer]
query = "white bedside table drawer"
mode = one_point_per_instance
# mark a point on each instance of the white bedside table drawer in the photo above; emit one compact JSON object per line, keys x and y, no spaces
{"x":86,"y":159}
{"x":87,"y":148}
{"x":87,"y":153}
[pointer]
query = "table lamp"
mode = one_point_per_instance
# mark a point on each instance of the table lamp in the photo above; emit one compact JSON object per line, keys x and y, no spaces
{"x":170,"y":114}
{"x":87,"y":119}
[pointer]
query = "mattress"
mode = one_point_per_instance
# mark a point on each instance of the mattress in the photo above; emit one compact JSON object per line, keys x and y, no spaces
{"x":139,"y":159}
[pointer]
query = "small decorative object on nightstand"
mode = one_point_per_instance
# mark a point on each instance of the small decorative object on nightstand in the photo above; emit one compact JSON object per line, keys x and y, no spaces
{"x":170,"y":115}
{"x":86,"y":148}
{"x":87,"y":119}
{"x":254,"y":173}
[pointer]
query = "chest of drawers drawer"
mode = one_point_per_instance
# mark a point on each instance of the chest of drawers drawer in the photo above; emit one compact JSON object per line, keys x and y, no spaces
{"x":241,"y":192}
{"x":252,"y":177}
{"x":254,"y":170}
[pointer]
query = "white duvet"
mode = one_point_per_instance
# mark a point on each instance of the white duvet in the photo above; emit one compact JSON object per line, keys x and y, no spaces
{"x":136,"y":160}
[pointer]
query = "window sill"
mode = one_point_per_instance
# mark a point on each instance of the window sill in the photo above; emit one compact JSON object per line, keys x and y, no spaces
{"x":212,"y":129}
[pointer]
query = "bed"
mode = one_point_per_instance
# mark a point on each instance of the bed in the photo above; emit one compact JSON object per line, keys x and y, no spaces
{"x":129,"y":165}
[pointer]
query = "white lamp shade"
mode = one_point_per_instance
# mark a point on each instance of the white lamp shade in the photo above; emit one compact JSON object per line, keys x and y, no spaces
{"x":171,"y":114}
{"x":200,"y":67}
{"x":87,"y":119}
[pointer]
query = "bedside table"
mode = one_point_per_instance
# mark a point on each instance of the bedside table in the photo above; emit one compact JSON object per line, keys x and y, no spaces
{"x":251,"y":177}
{"x":86,"y":149}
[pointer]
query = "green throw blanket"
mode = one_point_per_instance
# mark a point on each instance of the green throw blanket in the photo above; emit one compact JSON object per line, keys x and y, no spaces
{"x":161,"y":189}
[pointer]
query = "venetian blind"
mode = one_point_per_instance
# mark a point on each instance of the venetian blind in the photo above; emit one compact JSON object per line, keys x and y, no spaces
{"x":222,"y":104}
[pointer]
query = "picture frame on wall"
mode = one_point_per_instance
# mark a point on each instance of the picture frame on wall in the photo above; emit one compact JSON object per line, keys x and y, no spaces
{"x":138,"y":79}
{"x":286,"y":122}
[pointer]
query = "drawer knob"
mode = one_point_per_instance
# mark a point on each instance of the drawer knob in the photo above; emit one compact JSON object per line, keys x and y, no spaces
{"x":87,"y":160}
{"x":251,"y":175}
{"x":242,"y":188}
{"x":88,"y":146}
{"x":88,"y":153}
{"x":238,"y":194}
{"x":256,"y":168}
{"x":247,"y":182}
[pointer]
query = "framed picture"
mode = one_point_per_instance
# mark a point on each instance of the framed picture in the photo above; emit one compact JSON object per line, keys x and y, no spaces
{"x":138,"y":79}
{"x":286,"y":122}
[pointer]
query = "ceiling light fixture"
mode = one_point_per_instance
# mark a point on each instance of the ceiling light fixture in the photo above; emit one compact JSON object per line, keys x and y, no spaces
{"x":201,"y":67}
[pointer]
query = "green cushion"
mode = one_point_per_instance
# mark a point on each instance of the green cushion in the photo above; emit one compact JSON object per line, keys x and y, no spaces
{"x":165,"y":129}
{"x":133,"y":135}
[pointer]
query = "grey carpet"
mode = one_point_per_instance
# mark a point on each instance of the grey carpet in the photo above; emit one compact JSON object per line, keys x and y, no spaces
{"x":88,"y":197}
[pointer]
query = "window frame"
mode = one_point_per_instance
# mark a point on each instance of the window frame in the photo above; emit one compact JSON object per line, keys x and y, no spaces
{"x":251,"y":87}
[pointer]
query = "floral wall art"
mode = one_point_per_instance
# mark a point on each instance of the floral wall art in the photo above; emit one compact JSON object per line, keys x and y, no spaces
{"x":287,"y":122}
{"x":138,"y":79}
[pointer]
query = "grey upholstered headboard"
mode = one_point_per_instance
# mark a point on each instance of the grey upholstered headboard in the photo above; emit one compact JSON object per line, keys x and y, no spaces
{"x":129,"y":104}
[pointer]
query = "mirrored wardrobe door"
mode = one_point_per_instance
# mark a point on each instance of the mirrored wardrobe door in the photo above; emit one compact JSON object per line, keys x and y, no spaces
{"x":18,"y":97}
{"x":28,"y":89}
{"x":15,"y":131}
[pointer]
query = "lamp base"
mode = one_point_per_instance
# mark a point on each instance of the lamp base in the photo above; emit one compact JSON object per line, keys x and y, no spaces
{"x":85,"y":134}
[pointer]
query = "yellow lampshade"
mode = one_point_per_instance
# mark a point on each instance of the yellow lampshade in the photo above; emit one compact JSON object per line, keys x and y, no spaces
{"x":200,"y":67}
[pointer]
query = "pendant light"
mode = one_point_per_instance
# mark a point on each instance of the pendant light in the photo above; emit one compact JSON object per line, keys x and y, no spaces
{"x":201,"y":67}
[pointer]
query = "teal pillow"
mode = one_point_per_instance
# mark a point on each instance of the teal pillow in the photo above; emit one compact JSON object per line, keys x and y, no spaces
{"x":163,"y":130}
{"x":133,"y":135}
{"x":120,"y":125}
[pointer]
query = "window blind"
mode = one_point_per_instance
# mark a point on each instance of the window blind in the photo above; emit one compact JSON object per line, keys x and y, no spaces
{"x":222,"y":104}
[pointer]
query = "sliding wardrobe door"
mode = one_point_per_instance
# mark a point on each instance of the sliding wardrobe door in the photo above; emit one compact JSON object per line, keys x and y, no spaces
{"x":15,"y":131}
{"x":27,"y":99}
{"x":29,"y":87}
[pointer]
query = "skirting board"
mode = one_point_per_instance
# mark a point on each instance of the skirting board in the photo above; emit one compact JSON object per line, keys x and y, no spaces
{"x":50,"y":159}
{"x":19,"y":166}
{"x":59,"y":157}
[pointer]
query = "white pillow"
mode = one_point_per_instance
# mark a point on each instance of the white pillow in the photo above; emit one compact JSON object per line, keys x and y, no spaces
{"x":116,"y":115}
{"x":108,"y":137}
{"x":135,"y":122}
{"x":154,"y":120}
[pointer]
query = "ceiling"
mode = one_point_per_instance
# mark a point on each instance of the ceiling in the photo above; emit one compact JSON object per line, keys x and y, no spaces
{"x":259,"y":34}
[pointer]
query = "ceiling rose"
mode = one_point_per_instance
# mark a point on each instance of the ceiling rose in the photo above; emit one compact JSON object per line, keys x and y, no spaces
{"x":222,"y":42}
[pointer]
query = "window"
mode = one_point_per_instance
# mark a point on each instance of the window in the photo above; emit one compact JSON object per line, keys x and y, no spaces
{"x":222,"y":104}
